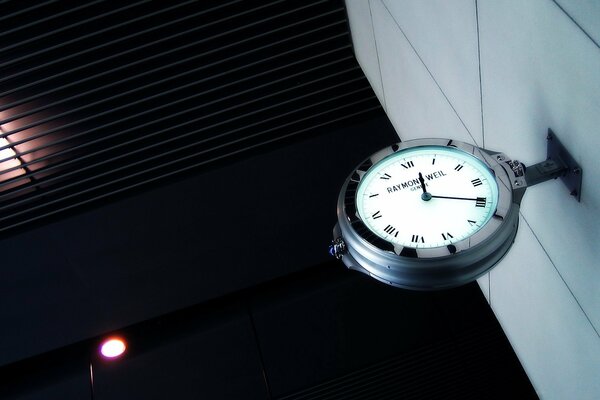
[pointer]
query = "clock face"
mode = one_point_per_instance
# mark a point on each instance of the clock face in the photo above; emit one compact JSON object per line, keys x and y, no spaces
{"x":427,"y":196}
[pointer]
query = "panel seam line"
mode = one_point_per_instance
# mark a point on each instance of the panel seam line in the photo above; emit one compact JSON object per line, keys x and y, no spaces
{"x":576,"y":23}
{"x":480,"y":79}
{"x":260,"y":353}
{"x":560,"y":275}
{"x":430,"y":74}
{"x":377,"y":54}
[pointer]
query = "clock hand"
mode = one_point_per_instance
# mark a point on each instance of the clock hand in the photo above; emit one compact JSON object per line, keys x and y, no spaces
{"x":455,"y":198}
{"x":426,"y":196}
{"x":422,"y":180}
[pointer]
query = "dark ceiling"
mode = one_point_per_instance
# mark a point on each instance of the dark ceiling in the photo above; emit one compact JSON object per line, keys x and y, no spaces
{"x":169,"y":172}
{"x":100,"y":98}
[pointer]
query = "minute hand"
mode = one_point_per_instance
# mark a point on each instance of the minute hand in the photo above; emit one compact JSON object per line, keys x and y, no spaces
{"x":455,"y":198}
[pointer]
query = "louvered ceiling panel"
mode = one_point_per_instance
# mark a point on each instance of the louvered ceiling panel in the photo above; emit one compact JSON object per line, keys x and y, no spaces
{"x":100,"y":97}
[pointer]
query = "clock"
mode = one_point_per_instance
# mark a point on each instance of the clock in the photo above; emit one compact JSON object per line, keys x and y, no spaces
{"x":429,"y":214}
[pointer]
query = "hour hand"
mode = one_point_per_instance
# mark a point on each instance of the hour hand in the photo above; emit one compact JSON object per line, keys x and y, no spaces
{"x":422,"y":180}
{"x":425,"y":196}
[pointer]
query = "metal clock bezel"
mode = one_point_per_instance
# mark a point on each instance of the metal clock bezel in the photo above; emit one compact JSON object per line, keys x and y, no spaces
{"x":439,"y":267}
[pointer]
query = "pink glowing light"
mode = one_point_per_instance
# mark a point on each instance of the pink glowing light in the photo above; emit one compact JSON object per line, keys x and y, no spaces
{"x":113,"y":348}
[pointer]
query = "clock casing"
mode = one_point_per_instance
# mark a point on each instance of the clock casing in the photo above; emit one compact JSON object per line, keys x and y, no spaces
{"x":385,"y":249}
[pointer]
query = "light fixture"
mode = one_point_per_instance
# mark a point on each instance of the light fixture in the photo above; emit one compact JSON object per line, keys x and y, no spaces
{"x":112,"y":348}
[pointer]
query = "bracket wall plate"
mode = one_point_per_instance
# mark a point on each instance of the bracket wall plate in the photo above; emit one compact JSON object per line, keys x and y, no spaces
{"x":559,"y":164}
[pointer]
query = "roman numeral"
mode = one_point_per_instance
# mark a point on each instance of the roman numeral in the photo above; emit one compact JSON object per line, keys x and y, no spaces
{"x":447,"y":236}
{"x":385,"y":176}
{"x":377,"y":215}
{"x":408,"y":165}
{"x":458,"y":167}
{"x":476,"y":182}
{"x":471,"y":222}
{"x":480,"y":202}
{"x":433,"y":162}
{"x":390,"y":229}
{"x":373,"y":195}
{"x":417,"y":239}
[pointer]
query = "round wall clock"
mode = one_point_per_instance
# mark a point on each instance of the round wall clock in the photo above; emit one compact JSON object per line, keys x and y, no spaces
{"x":429,"y":214}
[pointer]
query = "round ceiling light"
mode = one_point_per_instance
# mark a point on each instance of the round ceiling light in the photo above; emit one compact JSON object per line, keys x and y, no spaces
{"x":112,"y":348}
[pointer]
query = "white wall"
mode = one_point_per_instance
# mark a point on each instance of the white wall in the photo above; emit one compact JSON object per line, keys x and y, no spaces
{"x":498,"y":74}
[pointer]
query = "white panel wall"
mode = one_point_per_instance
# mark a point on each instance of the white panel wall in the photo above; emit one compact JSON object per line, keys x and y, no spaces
{"x":434,"y":28}
{"x":363,"y":40}
{"x":542,"y":320}
{"x":540,"y":68}
{"x":415,"y":104}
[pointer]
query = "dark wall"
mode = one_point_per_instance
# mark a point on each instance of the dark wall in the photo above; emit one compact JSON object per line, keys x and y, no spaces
{"x":177,"y":245}
{"x":323,"y":333}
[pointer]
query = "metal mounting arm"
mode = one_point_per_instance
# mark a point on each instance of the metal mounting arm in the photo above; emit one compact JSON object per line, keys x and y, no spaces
{"x":559,"y":164}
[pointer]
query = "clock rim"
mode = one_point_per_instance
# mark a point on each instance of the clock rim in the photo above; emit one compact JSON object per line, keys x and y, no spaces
{"x":428,"y":268}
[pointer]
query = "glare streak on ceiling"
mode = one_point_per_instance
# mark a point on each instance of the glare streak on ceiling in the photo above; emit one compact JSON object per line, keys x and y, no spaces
{"x":6,"y":152}
{"x":10,"y":163}
{"x":104,"y":98}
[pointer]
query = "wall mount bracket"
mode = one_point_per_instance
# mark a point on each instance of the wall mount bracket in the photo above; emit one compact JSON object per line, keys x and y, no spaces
{"x":559,"y":164}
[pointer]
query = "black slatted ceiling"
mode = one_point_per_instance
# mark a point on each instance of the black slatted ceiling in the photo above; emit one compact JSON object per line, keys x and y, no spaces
{"x":100,"y":97}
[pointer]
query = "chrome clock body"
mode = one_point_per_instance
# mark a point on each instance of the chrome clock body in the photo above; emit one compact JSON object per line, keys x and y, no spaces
{"x":373,"y":245}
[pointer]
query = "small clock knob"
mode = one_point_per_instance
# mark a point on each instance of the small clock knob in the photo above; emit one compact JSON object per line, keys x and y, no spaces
{"x":337,"y":248}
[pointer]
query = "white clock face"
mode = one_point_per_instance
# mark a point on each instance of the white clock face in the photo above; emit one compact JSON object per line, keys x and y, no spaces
{"x":460,"y":195}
